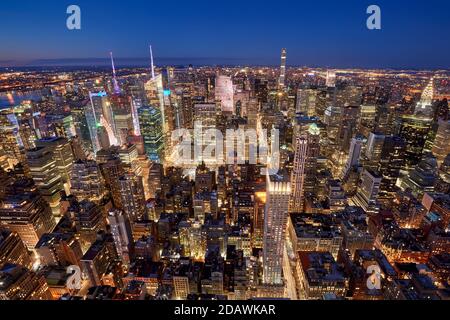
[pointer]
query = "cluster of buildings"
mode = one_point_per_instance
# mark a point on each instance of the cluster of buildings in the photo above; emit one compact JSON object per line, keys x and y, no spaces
{"x":95,"y":204}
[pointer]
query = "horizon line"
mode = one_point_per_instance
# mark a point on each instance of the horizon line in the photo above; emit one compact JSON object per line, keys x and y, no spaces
{"x":226,"y":62}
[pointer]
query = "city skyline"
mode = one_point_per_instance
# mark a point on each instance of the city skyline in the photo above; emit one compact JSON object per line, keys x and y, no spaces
{"x":220,"y":183}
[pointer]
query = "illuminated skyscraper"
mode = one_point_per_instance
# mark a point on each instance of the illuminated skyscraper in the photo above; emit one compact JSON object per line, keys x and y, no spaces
{"x":10,"y":140}
{"x":392,"y":160}
{"x":414,"y":130}
{"x":331,"y":79}
{"x":367,"y":119}
{"x":136,"y":104}
{"x":282,"y":79}
{"x":115,"y":82}
{"x":422,"y":177}
{"x":123,"y":123}
{"x":89,"y":220}
{"x":374,"y":149}
{"x":27,"y":214}
{"x":225,"y":93}
{"x":152,"y":133}
{"x":205,"y":119}
{"x":353,"y":155}
{"x":152,"y":63}
{"x":93,"y":113}
{"x":154,"y":89}
{"x":101,"y":106}
{"x":63,"y":155}
{"x":112,"y":170}
{"x":121,"y":231}
{"x":348,"y":124}
{"x":368,"y":190}
{"x":275,"y":225}
{"x":13,"y":250}
{"x":307,"y":150}
{"x":332,"y":117}
{"x":133,"y":197}
{"x":100,"y":259}
{"x":46,"y":175}
{"x":19,"y":283}
{"x":306,"y":101}
{"x":297,"y":198}
{"x":441,"y":147}
{"x":87,"y":182}
{"x":424,"y":106}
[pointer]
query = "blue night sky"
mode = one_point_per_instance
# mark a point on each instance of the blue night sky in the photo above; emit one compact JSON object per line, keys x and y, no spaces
{"x":415,"y":33}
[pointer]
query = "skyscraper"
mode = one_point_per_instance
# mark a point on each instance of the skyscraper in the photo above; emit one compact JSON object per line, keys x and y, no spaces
{"x":89,"y":220}
{"x":112,"y":170}
{"x":424,"y":106}
{"x":307,"y":150}
{"x":63,"y":155}
{"x":353,"y":156}
{"x":123,"y":124}
{"x":392,"y":160}
{"x":374,"y":149}
{"x":368,"y":190}
{"x":225,"y":93}
{"x":331,"y":79}
{"x":115,"y":82}
{"x":26,"y":213}
{"x":152,"y":62}
{"x":152,"y":133}
{"x":282,"y":79}
{"x":19,"y":283}
{"x":154,"y":89}
{"x":374,"y":146}
{"x":313,"y":153}
{"x":414,"y":130}
{"x":441,"y":147}
{"x":136,"y":104}
{"x":422,"y":177}
{"x":297,"y":198}
{"x":93,"y":113}
{"x":275,"y":224}
{"x":44,"y":171}
{"x":10,"y":139}
{"x":13,"y":250}
{"x":100,"y":259}
{"x":306,"y":101}
{"x":133,"y":197}
{"x":87,"y":182}
{"x":121,"y":231}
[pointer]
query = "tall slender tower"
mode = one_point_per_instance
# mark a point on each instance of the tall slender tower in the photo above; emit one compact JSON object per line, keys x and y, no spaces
{"x":296,"y":200}
{"x":115,"y":82}
{"x":282,"y":80}
{"x":152,"y":63}
{"x":353,"y":155}
{"x":275,"y":225}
